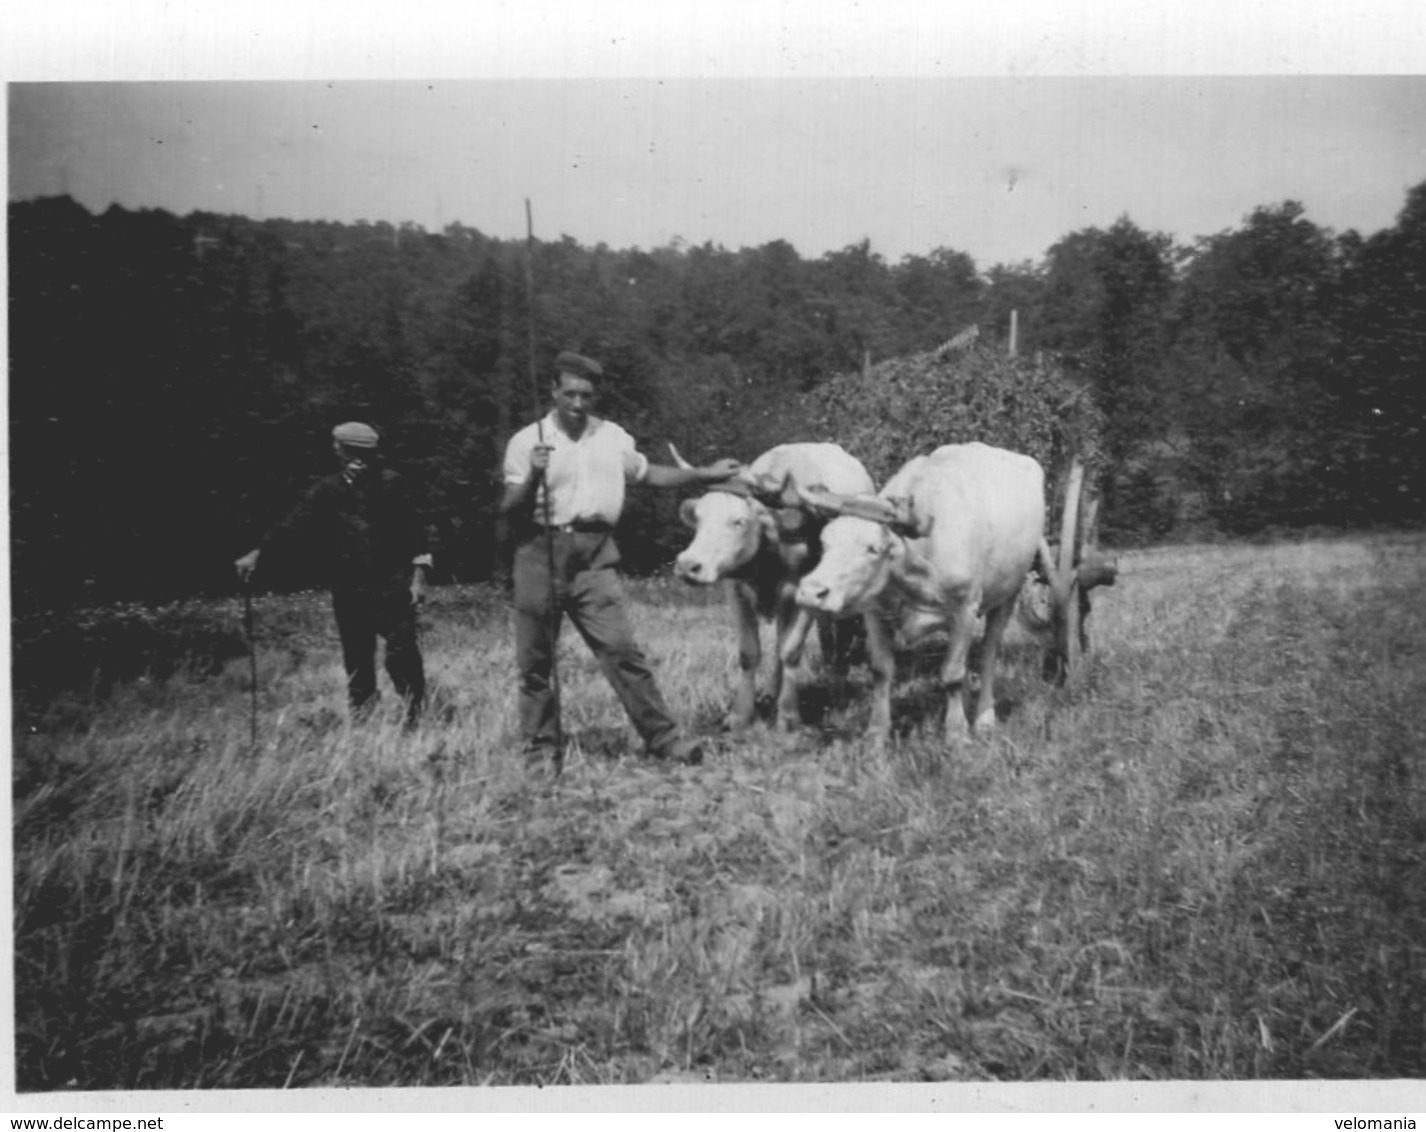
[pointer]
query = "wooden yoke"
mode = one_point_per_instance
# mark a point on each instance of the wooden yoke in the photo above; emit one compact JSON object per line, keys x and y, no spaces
{"x":894,"y":514}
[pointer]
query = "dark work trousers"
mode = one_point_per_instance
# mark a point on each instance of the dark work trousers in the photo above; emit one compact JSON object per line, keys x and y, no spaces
{"x":588,"y":589}
{"x":362,"y":616}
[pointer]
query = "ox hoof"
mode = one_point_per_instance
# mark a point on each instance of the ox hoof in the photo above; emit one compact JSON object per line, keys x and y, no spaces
{"x":957,"y":732}
{"x":878,"y":740}
{"x":734,"y":722}
{"x":985,"y":722}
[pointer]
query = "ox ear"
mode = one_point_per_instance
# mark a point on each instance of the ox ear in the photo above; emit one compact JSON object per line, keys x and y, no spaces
{"x":902,"y":519}
{"x":688,"y":512}
{"x":767,"y":520}
{"x":773,"y":492}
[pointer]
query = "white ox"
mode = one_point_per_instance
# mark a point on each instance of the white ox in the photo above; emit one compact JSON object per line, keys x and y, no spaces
{"x":754,"y":534}
{"x":950,"y":539}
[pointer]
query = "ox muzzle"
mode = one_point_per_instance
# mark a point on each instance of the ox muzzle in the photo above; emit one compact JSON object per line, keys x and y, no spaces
{"x":694,"y":570}
{"x":816,"y":593}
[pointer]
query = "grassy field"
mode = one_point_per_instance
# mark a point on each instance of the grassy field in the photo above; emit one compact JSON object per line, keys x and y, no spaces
{"x":1206,"y":860}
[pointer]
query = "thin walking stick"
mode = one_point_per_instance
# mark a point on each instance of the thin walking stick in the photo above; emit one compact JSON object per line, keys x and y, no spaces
{"x":549,"y":530}
{"x":252,"y":656}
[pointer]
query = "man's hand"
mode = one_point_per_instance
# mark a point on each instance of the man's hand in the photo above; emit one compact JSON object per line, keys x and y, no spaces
{"x":539,"y":461}
{"x":246,"y":565}
{"x":724,"y":469}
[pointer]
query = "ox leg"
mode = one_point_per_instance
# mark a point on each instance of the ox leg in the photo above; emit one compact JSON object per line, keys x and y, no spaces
{"x":793,"y":623}
{"x":745,"y":617}
{"x":995,"y":622}
{"x":953,"y":672}
{"x":881,"y":658}
{"x":841,"y":641}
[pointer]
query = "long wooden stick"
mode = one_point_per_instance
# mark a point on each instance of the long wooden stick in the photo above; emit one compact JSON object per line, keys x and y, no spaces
{"x":1066,"y":587}
{"x":252,"y":656}
{"x":545,"y":492}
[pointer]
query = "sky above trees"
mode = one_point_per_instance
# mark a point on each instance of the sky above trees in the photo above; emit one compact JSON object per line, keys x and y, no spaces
{"x":998,"y":167}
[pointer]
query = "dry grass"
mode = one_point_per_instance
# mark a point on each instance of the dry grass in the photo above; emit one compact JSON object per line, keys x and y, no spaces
{"x":1207,"y":860}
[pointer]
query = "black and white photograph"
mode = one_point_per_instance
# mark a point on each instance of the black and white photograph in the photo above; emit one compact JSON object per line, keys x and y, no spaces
{"x":715,"y":562}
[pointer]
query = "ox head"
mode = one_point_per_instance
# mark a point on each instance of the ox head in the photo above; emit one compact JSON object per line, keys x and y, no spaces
{"x":731,"y":522}
{"x":728,"y":528}
{"x":862,"y":543}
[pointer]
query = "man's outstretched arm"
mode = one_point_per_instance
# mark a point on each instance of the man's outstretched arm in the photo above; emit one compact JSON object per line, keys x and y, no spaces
{"x":663,"y":475}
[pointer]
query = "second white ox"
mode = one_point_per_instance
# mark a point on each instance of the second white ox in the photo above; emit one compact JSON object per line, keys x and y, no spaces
{"x":948,"y":540}
{"x":754,"y":534}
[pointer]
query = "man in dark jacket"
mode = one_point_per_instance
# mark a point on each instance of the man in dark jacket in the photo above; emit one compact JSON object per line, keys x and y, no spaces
{"x":376,"y":548}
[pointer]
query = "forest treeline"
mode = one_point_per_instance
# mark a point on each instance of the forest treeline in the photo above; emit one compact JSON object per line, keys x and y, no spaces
{"x":174,"y":380}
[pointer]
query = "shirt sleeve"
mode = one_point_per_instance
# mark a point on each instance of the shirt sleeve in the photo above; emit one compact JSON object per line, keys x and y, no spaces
{"x":636,"y":464}
{"x":300,"y":519}
{"x":517,"y":458}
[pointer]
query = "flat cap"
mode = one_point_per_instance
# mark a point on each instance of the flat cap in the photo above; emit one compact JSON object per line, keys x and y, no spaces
{"x":354,"y":434}
{"x":578,"y":364}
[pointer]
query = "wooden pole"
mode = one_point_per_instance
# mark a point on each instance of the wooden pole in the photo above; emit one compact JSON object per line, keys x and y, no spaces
{"x":252,"y":659}
{"x":1065,"y":590}
{"x":1014,"y":347}
{"x":544,"y":490}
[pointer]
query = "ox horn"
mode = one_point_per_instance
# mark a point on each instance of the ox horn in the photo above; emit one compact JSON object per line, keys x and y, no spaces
{"x":859,"y":506}
{"x":739,"y":485}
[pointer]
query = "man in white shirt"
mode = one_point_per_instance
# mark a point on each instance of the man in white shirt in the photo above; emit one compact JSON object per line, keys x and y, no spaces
{"x":584,"y":462}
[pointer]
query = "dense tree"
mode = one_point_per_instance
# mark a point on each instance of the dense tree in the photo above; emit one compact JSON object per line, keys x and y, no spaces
{"x":1377,"y":393}
{"x":1098,"y":305}
{"x":1012,"y":290}
{"x":174,"y":380}
{"x":1254,"y":341}
{"x":1101,"y":310}
{"x":941,"y":294}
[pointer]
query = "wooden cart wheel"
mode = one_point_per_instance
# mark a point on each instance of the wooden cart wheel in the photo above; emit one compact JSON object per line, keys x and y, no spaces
{"x":1091,"y":567}
{"x":1064,"y":587}
{"x":1076,"y":567}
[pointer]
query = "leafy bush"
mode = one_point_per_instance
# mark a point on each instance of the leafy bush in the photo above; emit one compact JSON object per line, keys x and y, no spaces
{"x":909,"y":406}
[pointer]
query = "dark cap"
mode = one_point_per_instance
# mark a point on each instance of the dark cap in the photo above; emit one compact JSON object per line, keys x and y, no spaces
{"x":354,"y":434}
{"x":578,"y":364}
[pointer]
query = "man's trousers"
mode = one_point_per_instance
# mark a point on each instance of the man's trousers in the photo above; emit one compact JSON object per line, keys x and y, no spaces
{"x":587,"y":589}
{"x":362,"y":616}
